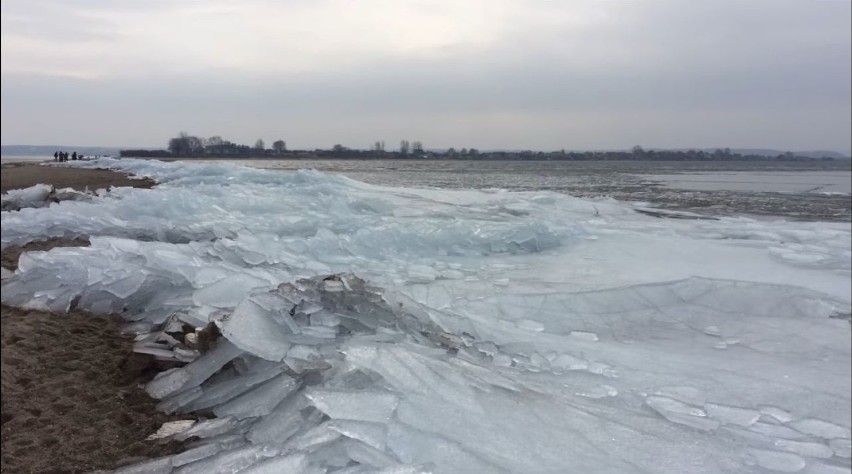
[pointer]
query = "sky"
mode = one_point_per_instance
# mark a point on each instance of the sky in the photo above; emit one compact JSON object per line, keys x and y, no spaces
{"x":490,"y":74}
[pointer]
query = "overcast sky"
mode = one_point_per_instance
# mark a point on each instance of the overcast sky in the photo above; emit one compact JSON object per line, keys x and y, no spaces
{"x":488,"y":74}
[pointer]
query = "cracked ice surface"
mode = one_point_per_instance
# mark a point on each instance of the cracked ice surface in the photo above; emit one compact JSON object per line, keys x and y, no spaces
{"x":466,"y":331}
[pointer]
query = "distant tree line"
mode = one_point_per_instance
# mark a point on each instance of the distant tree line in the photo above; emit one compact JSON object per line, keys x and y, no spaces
{"x":188,"y":146}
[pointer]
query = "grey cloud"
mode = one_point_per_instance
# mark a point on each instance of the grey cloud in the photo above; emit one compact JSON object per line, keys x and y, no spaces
{"x":778,"y":70}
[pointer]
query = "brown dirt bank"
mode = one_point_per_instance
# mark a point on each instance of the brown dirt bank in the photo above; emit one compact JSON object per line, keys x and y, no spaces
{"x":24,"y":175}
{"x":72,"y":399}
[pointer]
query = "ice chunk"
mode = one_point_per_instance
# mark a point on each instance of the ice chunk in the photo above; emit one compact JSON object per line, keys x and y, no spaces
{"x":732,"y":415}
{"x":502,"y":360}
{"x":712,"y":331}
{"x":6,"y":273}
{"x":168,"y":382}
{"x":452,"y":274}
{"x":529,"y":325}
{"x":259,"y":401}
{"x":33,"y":196}
{"x":568,"y":362}
{"x":316,"y":436}
{"x":488,"y":348}
{"x":365,"y":454}
{"x":283,"y":422}
{"x":819,"y":468}
{"x":322,"y":332}
{"x":303,"y":352}
{"x":175,"y":402}
{"x":601,"y":368}
{"x":823,"y":429}
{"x":678,"y":412}
{"x":373,"y":434}
{"x":194,"y":374}
{"x":778,"y":461}
{"x":779,"y":414}
{"x":229,"y":291}
{"x":776,"y":431}
{"x":195,"y":454}
{"x":324,"y":318}
{"x":371,"y":406}
{"x":689,"y":395}
{"x":601,"y":391}
{"x":228,"y":461}
{"x":259,"y":330}
{"x":126,"y":286}
{"x":295,"y":463}
{"x":584,"y":335}
{"x":154,"y":466}
{"x":421,"y":274}
{"x":805,"y":448}
{"x":226,"y":390}
{"x":841,"y":447}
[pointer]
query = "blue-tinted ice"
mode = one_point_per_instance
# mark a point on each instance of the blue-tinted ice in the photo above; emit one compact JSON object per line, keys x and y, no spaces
{"x":369,"y":329}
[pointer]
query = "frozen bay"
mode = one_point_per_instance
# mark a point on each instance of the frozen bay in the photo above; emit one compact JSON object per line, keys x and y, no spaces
{"x":472,"y":330}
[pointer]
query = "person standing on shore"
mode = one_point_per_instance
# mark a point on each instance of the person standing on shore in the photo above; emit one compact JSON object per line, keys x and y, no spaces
{"x":74,"y":156}
{"x":55,"y":156}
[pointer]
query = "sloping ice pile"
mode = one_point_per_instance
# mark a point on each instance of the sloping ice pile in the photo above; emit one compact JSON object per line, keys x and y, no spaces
{"x":370,"y":329}
{"x":42,"y":195}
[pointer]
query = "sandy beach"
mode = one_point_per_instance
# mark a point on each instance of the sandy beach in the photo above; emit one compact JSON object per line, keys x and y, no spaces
{"x":72,"y":397}
{"x":25,"y":174}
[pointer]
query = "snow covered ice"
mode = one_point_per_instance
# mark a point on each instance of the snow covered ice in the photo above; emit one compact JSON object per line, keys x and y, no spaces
{"x":371,"y":329}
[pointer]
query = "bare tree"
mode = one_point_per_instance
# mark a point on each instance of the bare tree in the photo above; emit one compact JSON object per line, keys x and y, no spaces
{"x":186,"y":145}
{"x":259,"y":144}
{"x":280,"y":146}
{"x":417,"y":147}
{"x":379,"y":147}
{"x":404,"y":147}
{"x":215,"y":141}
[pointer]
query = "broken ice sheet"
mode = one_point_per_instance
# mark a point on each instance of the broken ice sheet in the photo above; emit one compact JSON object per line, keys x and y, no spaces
{"x":370,"y":406}
{"x":261,"y":400}
{"x":259,"y":330}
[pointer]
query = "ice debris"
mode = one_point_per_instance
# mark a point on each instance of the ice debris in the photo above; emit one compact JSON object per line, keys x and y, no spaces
{"x":41,"y":195}
{"x":456,"y":347}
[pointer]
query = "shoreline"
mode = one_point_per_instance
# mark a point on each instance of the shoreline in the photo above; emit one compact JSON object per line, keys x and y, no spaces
{"x":71,"y":383}
{"x":25,"y":174}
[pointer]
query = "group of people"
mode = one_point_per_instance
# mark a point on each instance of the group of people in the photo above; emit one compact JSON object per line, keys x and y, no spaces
{"x":63,"y":156}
